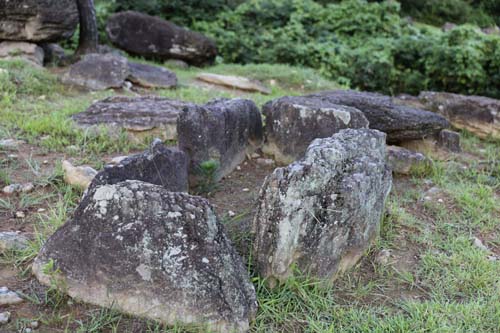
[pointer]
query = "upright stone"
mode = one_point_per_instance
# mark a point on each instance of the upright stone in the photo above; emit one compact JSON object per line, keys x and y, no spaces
{"x":321,"y":213}
{"x":224,"y":131}
{"x":149,"y":252}
{"x":154,"y":38}
{"x":159,"y":165}
{"x":293,"y":122}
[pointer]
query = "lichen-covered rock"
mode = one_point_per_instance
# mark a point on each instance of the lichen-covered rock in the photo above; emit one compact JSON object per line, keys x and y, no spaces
{"x":140,"y":117}
{"x":29,"y":52}
{"x":152,"y":253}
{"x":223,"y":130}
{"x":293,"y":122}
{"x":399,"y":122}
{"x":158,"y":165}
{"x":449,"y":140}
{"x":322,"y":212}
{"x":403,"y":161}
{"x":98,"y":72}
{"x":154,"y":38}
{"x":149,"y":76}
{"x":477,"y":114}
{"x":37,"y":20}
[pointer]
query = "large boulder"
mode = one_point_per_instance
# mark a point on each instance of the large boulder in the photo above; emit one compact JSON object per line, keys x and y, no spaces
{"x":141,"y":117}
{"x":154,"y":38}
{"x":98,"y":72}
{"x":159,"y":165}
{"x":292,"y":123}
{"x":37,"y":20}
{"x":29,"y":52}
{"x":400,"y":123}
{"x":149,"y":76}
{"x":477,"y":114}
{"x":143,"y":250}
{"x":223,"y":131}
{"x":321,"y":213}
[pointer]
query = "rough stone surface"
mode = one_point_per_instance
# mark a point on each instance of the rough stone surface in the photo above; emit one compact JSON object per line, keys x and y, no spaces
{"x":158,"y":165}
{"x":152,"y":253}
{"x":293,"y":122}
{"x":236,"y":82}
{"x":18,"y":188}
{"x":149,"y":76}
{"x":403,"y":161}
{"x":322,"y":212}
{"x":8,"y":297}
{"x":53,"y":54}
{"x":79,"y":176}
{"x":4,"y":317}
{"x":22,"y":50}
{"x":37,"y":20}
{"x":477,"y":114}
{"x":399,"y":122}
{"x":11,"y":240}
{"x":223,"y":130}
{"x":141,"y":117}
{"x":154,"y":38}
{"x":449,"y":140}
{"x":98,"y":72}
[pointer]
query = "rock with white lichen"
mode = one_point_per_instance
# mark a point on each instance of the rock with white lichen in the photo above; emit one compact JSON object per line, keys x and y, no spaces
{"x":321,"y":213}
{"x":292,"y":122}
{"x":152,"y":253}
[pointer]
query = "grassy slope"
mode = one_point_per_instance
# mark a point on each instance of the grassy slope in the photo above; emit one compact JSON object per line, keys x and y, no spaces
{"x":435,"y":281}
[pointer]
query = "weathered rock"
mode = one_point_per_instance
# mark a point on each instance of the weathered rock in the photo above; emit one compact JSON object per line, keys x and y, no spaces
{"x":322,"y":212}
{"x":79,"y":176}
{"x":54,"y":54}
{"x":150,"y":76}
{"x":154,"y":38}
{"x":98,"y":72}
{"x":292,"y":123}
{"x":449,"y":140}
{"x":29,"y":52}
{"x":8,"y":297}
{"x":399,"y":122}
{"x":11,"y":144}
{"x":37,"y":21}
{"x":18,"y":188}
{"x":4,"y":317}
{"x":104,"y":49}
{"x":151,"y":253}
{"x":158,"y":165}
{"x":11,"y":240}
{"x":236,"y":82}
{"x":477,"y":114}
{"x":141,"y":117}
{"x":403,"y":161}
{"x":223,"y":130}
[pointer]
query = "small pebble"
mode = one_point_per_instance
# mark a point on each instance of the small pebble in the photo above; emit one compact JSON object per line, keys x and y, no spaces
{"x":231,"y":213}
{"x":34,"y":324}
{"x":12,"y":156}
{"x":238,"y":168}
{"x":478,"y":243}
{"x":27,"y":330}
{"x":383,"y":257}
{"x":45,"y":162}
{"x":20,"y":214}
{"x":8,"y":297}
{"x":4,"y":317}
{"x":265,"y":161}
{"x":41,"y":210}
{"x":16,"y":188}
{"x":10,"y":143}
{"x":246,"y":190}
{"x":255,"y":155}
{"x":440,"y":200}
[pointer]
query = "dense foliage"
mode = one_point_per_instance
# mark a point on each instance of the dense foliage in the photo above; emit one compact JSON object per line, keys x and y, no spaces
{"x":367,"y":45}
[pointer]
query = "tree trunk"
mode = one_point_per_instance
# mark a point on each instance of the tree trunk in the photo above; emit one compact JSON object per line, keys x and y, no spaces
{"x":88,"y":28}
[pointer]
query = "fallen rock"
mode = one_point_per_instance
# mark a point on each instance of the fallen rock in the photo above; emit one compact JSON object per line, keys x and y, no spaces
{"x":152,"y":253}
{"x":10,"y":144}
{"x":149,"y":76}
{"x":480,"y":245}
{"x":141,"y":117}
{"x":321,"y":213}
{"x":449,"y":140}
{"x":383,"y":257}
{"x":223,"y":131}
{"x":12,"y":240}
{"x":79,"y":176}
{"x":8,"y":297}
{"x":236,"y":82}
{"x":477,"y":114}
{"x":37,"y":21}
{"x":18,"y":188}
{"x":292,"y":123}
{"x":98,"y":72}
{"x":403,"y":161}
{"x":54,"y":54}
{"x":29,"y":52}
{"x":159,"y":165}
{"x":4,"y":317}
{"x":399,"y":122}
{"x":154,"y":38}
